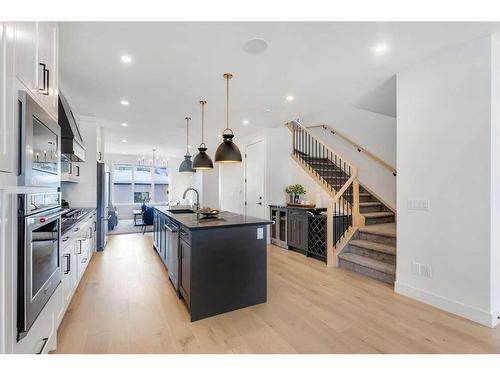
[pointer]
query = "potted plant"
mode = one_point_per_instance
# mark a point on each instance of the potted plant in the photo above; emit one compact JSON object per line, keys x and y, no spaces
{"x":295,"y":191}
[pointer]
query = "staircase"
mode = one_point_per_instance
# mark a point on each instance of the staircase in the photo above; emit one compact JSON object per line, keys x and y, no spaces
{"x":366,"y":240}
{"x":372,"y":250}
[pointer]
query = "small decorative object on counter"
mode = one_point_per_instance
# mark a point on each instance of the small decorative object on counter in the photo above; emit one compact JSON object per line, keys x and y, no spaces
{"x":209,"y":212}
{"x":295,"y":191}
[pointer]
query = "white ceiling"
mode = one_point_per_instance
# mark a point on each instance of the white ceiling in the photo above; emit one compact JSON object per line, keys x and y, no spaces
{"x":176,"y":64}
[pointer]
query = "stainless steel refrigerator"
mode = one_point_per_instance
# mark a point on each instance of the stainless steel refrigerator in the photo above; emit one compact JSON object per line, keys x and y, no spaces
{"x":102,"y":205}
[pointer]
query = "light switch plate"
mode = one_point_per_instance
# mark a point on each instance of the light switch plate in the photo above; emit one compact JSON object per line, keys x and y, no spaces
{"x":260,"y":233}
{"x":419,"y":204}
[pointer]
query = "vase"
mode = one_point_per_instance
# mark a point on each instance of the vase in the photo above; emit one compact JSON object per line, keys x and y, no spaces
{"x":296,"y":198}
{"x":292,"y":198}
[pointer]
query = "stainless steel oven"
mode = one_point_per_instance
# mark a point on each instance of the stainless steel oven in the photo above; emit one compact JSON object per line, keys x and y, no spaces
{"x":38,"y":271}
{"x":40,"y":145}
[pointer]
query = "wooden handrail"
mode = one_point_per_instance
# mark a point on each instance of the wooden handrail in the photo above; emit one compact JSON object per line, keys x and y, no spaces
{"x":357,"y":146}
{"x":354,"y":169}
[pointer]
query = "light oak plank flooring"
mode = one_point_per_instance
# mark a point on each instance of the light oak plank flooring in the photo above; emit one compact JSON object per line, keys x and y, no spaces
{"x":125,"y":304}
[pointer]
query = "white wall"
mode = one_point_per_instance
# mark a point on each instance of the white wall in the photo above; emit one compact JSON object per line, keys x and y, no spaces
{"x":84,"y":193}
{"x":495,"y":175}
{"x":444,"y":139}
{"x":280,"y":171}
{"x":374,"y":132}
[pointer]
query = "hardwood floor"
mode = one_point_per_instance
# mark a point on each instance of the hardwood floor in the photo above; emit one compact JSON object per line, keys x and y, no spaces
{"x":125,"y":304}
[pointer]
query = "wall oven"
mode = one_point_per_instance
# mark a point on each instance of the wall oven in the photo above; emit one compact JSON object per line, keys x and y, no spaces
{"x":40,"y":145}
{"x":38,"y":271}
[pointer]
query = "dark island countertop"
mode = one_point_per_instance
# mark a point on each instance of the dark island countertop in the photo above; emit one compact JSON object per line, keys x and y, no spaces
{"x":194,"y":221}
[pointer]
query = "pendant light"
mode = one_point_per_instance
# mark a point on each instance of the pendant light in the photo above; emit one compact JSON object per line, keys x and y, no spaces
{"x":202,"y":160}
{"x":187,"y":165}
{"x":227,"y":152}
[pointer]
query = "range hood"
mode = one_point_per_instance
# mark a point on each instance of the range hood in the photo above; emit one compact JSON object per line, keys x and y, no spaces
{"x":72,"y":146}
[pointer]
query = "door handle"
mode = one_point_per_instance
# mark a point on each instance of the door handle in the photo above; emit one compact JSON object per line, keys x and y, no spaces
{"x":259,"y":203}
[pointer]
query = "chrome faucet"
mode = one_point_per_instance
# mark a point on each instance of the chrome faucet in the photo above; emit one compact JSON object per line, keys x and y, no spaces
{"x":197,"y":197}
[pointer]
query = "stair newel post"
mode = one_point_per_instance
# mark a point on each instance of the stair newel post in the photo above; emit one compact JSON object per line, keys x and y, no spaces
{"x":331,"y":260}
{"x":358,"y":219}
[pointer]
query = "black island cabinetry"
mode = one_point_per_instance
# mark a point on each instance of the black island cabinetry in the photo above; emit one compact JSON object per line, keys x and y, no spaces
{"x":219,"y":265}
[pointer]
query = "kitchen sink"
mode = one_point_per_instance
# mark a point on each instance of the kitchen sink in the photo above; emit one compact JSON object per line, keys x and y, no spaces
{"x":181,"y":211}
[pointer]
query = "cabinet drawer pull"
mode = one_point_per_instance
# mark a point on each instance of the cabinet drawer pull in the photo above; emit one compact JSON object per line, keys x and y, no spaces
{"x":45,"y":341}
{"x":68,"y":263}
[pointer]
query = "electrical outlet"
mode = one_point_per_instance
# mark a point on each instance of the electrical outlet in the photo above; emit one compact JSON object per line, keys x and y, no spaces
{"x":419,"y":204}
{"x":415,"y":268}
{"x":260,"y":233}
{"x":425,"y":271}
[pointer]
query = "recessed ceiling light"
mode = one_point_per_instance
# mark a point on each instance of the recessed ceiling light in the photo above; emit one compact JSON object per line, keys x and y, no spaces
{"x":267,"y":110}
{"x":219,"y":136}
{"x":255,"y":46}
{"x":124,"y":124}
{"x":124,"y":141}
{"x":245,"y":122}
{"x":126,"y":59}
{"x":289,"y":98}
{"x":124,"y":102}
{"x":380,"y":48}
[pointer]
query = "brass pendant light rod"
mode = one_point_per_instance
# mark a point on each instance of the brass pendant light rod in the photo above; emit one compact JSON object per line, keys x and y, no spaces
{"x":227,"y":152}
{"x":203,"y":102}
{"x":227,"y":77}
{"x":202,"y":160}
{"x":187,"y":134}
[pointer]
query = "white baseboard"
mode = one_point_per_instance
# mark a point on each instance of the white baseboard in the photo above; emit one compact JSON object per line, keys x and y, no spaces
{"x":485,"y":318}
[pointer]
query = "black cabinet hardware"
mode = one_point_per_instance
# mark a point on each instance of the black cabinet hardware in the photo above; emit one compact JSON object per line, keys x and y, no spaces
{"x":68,"y":263}
{"x":45,"y":341}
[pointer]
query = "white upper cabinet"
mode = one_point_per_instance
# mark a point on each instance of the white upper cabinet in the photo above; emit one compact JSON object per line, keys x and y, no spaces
{"x":36,"y":61}
{"x":47,"y":65}
{"x":26,"y":37}
{"x":7,"y":95}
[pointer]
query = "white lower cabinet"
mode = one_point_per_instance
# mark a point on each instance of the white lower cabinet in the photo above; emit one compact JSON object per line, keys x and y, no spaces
{"x":42,"y":336}
{"x":76,"y":251}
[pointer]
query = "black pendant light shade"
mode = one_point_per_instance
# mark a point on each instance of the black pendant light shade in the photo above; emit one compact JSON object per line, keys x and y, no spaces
{"x":187,"y":165}
{"x":202,"y":160}
{"x":227,"y":152}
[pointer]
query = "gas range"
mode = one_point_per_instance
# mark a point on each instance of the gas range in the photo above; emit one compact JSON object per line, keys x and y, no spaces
{"x":73,"y":216}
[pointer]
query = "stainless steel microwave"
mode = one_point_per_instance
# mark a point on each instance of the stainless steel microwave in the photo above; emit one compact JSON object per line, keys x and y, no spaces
{"x":40,"y":145}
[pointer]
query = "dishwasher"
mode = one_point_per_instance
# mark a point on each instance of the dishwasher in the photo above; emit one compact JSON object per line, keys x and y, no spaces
{"x":172,"y":252}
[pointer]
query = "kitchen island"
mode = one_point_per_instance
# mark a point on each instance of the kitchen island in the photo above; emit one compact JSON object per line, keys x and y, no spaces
{"x":217,"y":264}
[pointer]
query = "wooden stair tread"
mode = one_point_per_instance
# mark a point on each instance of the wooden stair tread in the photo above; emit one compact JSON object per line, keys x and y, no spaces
{"x":372,"y":215}
{"x":365,"y":195}
{"x":375,"y":246}
{"x":369,"y":204}
{"x":369,"y":263}
{"x":387,"y":230}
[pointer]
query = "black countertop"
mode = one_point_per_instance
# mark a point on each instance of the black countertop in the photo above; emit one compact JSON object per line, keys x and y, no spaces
{"x":193,"y":221}
{"x":315,"y":209}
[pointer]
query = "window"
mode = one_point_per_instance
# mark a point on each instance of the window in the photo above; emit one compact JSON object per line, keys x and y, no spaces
{"x":135,"y":184}
{"x":122,"y":183}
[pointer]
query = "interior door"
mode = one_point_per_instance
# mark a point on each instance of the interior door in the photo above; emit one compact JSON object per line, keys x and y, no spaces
{"x":254,"y":180}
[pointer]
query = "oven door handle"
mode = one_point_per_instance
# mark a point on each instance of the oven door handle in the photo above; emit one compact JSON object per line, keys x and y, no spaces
{"x":53,"y":216}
